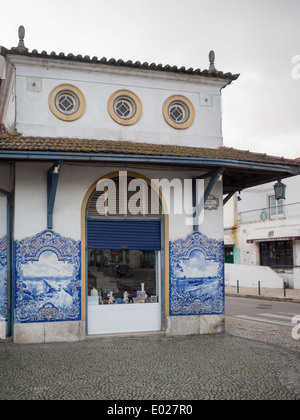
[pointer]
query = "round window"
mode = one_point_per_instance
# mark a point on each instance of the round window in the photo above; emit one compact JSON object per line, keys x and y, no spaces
{"x":179,"y":112}
{"x":124,"y":107}
{"x":67,"y":102}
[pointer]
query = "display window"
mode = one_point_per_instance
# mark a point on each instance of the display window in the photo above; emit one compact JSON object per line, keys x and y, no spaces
{"x":123,"y":276}
{"x":124,"y":234}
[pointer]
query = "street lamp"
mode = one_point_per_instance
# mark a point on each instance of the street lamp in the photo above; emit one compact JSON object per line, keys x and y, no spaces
{"x":279,"y":189}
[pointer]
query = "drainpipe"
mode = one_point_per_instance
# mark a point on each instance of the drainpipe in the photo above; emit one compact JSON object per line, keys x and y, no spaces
{"x":9,"y":260}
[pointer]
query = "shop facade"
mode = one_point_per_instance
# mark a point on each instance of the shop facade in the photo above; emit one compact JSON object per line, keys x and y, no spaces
{"x":113,"y":179}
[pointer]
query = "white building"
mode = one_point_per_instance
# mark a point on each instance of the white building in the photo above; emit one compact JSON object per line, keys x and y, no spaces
{"x":85,"y":146}
{"x":261,"y":231}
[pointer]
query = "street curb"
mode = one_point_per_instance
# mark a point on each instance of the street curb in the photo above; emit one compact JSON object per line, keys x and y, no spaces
{"x":291,"y":300}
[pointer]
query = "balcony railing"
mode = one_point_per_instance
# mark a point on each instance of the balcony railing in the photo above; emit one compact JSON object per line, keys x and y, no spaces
{"x":270,"y":213}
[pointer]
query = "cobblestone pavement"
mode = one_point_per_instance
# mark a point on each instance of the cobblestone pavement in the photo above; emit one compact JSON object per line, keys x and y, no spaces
{"x":250,"y":361}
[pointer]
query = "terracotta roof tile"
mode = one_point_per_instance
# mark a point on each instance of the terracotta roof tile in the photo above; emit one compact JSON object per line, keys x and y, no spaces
{"x":119,"y":63}
{"x":2,"y":129}
{"x":16,"y":142}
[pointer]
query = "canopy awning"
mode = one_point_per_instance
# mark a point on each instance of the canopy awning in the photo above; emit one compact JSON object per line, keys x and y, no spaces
{"x":241,"y":169}
{"x":229,"y":240}
{"x":289,"y":233}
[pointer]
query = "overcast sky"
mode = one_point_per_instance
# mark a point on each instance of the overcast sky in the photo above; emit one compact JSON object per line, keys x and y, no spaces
{"x":257,"y":38}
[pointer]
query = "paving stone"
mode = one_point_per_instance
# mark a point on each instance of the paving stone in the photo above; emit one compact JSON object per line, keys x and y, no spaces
{"x":246,"y":362}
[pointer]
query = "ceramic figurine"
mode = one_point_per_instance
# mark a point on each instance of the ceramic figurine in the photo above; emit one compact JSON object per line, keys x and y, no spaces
{"x":126,"y":297}
{"x":111,"y":299}
{"x":94,"y":292}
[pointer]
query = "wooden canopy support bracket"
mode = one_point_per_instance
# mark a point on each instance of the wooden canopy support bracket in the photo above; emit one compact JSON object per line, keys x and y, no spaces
{"x":213,"y":175}
{"x":228,"y":196}
{"x":52,"y":182}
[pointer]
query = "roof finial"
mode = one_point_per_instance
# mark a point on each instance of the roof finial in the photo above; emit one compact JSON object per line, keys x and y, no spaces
{"x":21,"y":33}
{"x":212,"y":61}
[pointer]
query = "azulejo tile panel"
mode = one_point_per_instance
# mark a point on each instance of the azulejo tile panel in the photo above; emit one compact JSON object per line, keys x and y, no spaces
{"x":47,"y":279}
{"x":3,"y":279}
{"x":197,"y":276}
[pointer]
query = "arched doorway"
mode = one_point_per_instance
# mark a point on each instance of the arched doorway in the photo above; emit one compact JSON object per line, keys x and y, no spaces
{"x":124,"y":253}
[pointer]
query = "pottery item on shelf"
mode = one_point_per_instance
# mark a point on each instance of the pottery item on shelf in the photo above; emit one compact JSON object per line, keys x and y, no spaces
{"x":141,"y":294}
{"x":111,"y":299}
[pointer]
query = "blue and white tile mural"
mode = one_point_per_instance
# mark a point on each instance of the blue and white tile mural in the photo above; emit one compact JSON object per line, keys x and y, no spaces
{"x":197,"y":276}
{"x":47,"y":279}
{"x":3,"y":279}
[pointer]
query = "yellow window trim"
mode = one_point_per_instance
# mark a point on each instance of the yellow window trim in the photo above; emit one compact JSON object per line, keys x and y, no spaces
{"x":135,"y":104}
{"x":77,"y":96}
{"x":83,"y":240}
{"x":184,"y":103}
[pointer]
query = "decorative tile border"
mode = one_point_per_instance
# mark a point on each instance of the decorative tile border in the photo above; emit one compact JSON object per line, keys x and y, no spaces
{"x":47,"y":279}
{"x":197,"y":276}
{"x":3,"y":279}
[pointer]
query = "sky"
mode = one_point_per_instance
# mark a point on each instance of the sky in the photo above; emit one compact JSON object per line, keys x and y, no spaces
{"x":259,"y":39}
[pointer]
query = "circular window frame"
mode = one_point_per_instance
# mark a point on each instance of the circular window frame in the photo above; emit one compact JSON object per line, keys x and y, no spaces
{"x":184,"y":103}
{"x":135,"y":105}
{"x":75,"y":93}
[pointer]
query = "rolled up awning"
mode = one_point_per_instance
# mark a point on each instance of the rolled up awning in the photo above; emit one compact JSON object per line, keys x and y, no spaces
{"x":229,"y":240}
{"x":289,"y":233}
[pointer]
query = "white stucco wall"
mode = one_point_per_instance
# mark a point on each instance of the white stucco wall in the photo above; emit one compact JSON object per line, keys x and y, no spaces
{"x":249,"y":276}
{"x":74,"y":182}
{"x":8,"y":96}
{"x":34,"y":83}
{"x":257,"y":197}
{"x":6,"y":184}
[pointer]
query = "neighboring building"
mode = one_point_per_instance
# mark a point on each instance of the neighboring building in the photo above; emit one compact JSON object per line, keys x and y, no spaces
{"x":259,"y":230}
{"x":85,"y":146}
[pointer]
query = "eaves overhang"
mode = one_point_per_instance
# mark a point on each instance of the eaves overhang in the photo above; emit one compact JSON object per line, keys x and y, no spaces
{"x":237,"y":176}
{"x":101,"y":157}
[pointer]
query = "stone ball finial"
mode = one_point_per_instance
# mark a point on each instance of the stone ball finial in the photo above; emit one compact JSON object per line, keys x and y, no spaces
{"x":212,"y":61}
{"x":21,"y":34}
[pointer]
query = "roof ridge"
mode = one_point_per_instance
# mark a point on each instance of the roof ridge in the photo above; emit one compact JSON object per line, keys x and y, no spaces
{"x":210,"y":72}
{"x":122,"y":63}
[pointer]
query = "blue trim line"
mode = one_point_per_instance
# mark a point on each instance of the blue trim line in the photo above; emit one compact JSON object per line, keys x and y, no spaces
{"x":128,"y":158}
{"x":10,"y":277}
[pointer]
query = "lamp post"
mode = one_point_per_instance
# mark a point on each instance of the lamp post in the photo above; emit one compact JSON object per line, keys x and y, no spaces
{"x":279,"y":189}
